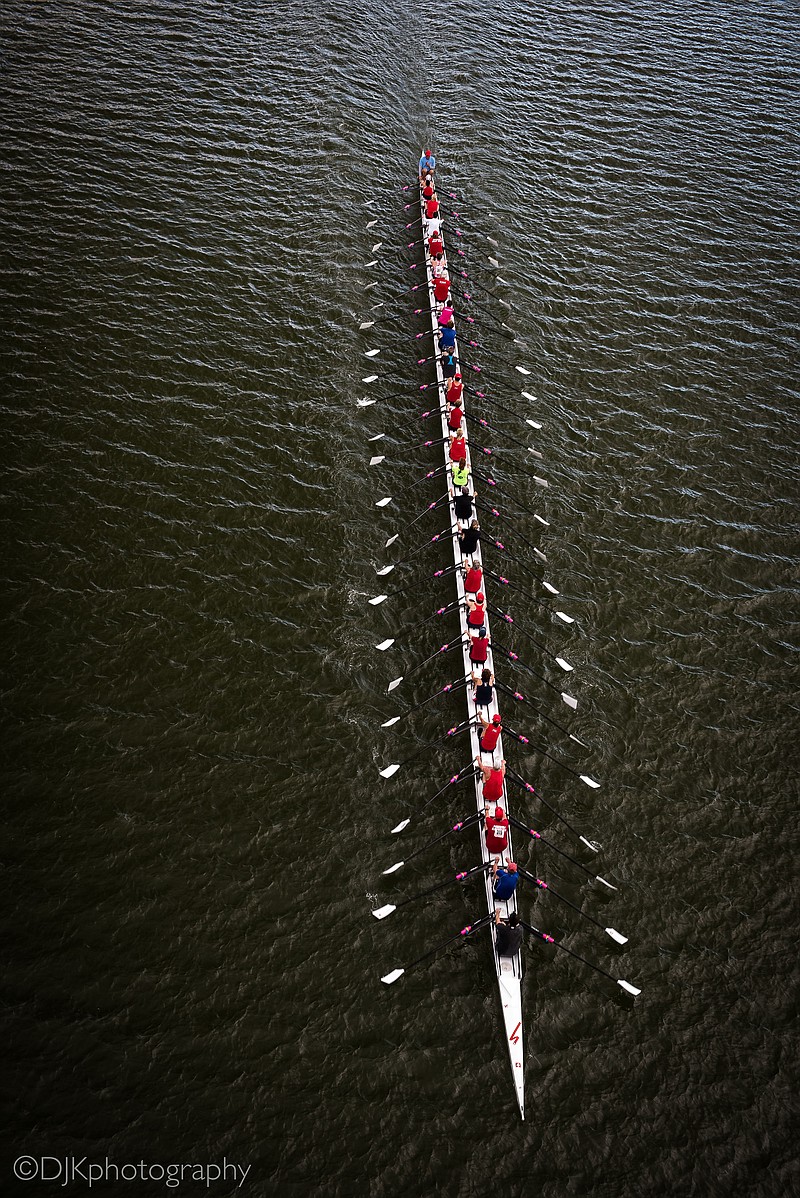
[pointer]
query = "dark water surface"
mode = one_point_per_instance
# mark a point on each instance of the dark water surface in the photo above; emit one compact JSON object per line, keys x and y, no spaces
{"x":194,"y":826}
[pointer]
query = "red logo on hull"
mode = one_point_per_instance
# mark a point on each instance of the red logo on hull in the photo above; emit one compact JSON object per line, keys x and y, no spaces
{"x":514,"y":1038}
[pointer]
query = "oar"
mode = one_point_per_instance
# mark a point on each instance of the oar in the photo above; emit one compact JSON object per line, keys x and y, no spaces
{"x":392,"y":977}
{"x":532,"y":598}
{"x":518,"y":781}
{"x":497,"y":404}
{"x":485,"y":424}
{"x":451,"y":686}
{"x":392,"y":769}
{"x":460,"y":315}
{"x":440,"y":611}
{"x":393,"y":685}
{"x":538,"y":836}
{"x":432,"y":333}
{"x":377,"y":599}
{"x":512,"y":657}
{"x":507,"y":619}
{"x":463,"y":876}
{"x":612,"y":932}
{"x":457,"y":827}
{"x":486,"y":290}
{"x":549,"y":940}
{"x":520,"y":698}
{"x":587,"y":781}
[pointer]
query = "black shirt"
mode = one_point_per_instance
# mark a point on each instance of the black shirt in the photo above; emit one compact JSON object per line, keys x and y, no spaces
{"x":508,"y":940}
{"x":469,"y":540}
{"x":462,"y":505}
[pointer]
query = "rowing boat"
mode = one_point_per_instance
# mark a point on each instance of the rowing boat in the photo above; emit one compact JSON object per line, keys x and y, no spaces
{"x":509,"y":969}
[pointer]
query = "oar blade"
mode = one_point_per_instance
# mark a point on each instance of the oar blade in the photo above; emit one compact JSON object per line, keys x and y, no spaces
{"x":522,"y":369}
{"x":589,"y":781}
{"x":597,"y":878}
{"x":568,"y":699}
{"x":365,"y":403}
{"x":400,"y":827}
{"x":370,"y":378}
{"x":627,"y":986}
{"x":390,"y":770}
{"x":394,"y":868}
{"x":562,"y":615}
{"x":386,"y":570}
{"x":383,"y":502}
{"x":393,"y":685}
{"x":367,"y":324}
{"x":376,"y":600}
{"x":391,"y":540}
{"x":590,"y":844}
{"x":616,"y":936}
{"x":565,"y":665}
{"x":382,"y":912}
{"x":548,"y":587}
{"x":392,"y":977}
{"x":383,"y":646}
{"x":390,"y":723}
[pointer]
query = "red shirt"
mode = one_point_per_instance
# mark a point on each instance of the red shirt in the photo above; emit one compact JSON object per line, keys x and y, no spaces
{"x":427,"y":191}
{"x":496,"y":833}
{"x":441,"y":289}
{"x":493,"y":787}
{"x":455,"y":392}
{"x":491,"y":736}
{"x":431,"y":208}
{"x":473,"y":580}
{"x":477,"y":617}
{"x":454,"y":419}
{"x":458,"y":450}
{"x":479,"y":650}
{"x":435,"y":245}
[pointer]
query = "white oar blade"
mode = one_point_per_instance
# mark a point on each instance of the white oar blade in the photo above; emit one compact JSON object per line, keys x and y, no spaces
{"x":378,"y":599}
{"x":393,"y":685}
{"x":563,"y":616}
{"x":370,"y":224}
{"x":382,"y":912}
{"x":550,"y":588}
{"x":541,"y":482}
{"x":376,"y":246}
{"x":505,"y":283}
{"x":590,"y":844}
{"x":371,"y":353}
{"x":384,"y":645}
{"x":565,"y":665}
{"x":491,"y":240}
{"x":366,"y":324}
{"x":522,"y":369}
{"x":535,"y":453}
{"x":377,"y":437}
{"x":546,"y":523}
{"x":391,"y":540}
{"x":394,"y":868}
{"x":532,"y":423}
{"x":403,"y":824}
{"x":370,"y":378}
{"x":371,"y":285}
{"x":386,"y":570}
{"x":568,"y":699}
{"x":493,"y":262}
{"x":393,"y":976}
{"x":605,"y":883}
{"x":391,"y":723}
{"x":540,"y":555}
{"x":376,"y":461}
{"x":625,"y":986}
{"x":589,"y":782}
{"x":615,"y":935}
{"x":365,"y":403}
{"x":528,"y":395}
{"x":390,"y":770}
{"x":383,"y":502}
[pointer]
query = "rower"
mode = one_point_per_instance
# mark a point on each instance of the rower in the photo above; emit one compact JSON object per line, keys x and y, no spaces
{"x":458,"y":446}
{"x":427,"y":164}
{"x":455,"y":415}
{"x":483,"y":693}
{"x":489,"y":739}
{"x":437,"y":266}
{"x":447,"y":335}
{"x":473,"y":579}
{"x":435,"y":244}
{"x":508,"y":934}
{"x":460,"y":475}
{"x":493,"y":781}
{"x":496,"y":830}
{"x":432,"y":209}
{"x":446,"y":315}
{"x":505,"y":879}
{"x":441,"y":289}
{"x":455,"y":388}
{"x":479,"y":653}
{"x":449,"y":362}
{"x":468,"y":539}
{"x":462,"y":505}
{"x":476,"y":616}
{"x":428,"y":189}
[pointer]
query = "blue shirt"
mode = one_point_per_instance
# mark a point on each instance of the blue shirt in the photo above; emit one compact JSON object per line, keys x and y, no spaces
{"x":427,"y":164}
{"x":448,"y":338}
{"x":505,"y":883}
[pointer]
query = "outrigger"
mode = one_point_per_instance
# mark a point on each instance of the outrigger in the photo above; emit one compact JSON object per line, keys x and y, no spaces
{"x":509,"y":968}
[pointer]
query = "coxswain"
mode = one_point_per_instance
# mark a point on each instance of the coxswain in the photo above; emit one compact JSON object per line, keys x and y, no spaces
{"x":446,"y":315}
{"x":483,"y":692}
{"x":432,"y":209}
{"x":447,"y":336}
{"x":455,"y":388}
{"x":441,"y":289}
{"x":462,"y":505}
{"x":473,"y":579}
{"x":507,"y":934}
{"x":505,"y":879}
{"x":468,"y":539}
{"x":427,"y":164}
{"x":493,"y":780}
{"x":496,"y":830}
{"x":490,"y":735}
{"x":479,"y":650}
{"x":476,"y":615}
{"x":458,"y":446}
{"x":455,"y":415}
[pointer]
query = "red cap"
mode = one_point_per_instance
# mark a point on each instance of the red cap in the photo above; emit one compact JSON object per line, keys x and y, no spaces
{"x":457,"y":375}
{"x":496,"y":719}
{"x":512,"y":869}
{"x":480,"y":597}
{"x":427,"y":153}
{"x":498,"y":813}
